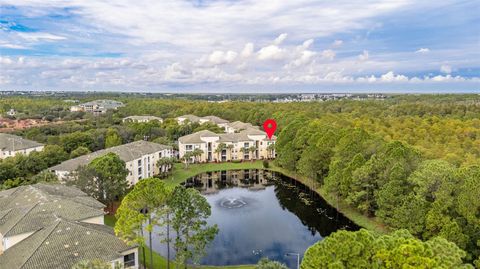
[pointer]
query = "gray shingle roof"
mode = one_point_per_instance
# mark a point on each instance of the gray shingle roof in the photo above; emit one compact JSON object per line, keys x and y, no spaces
{"x":63,"y":244}
{"x":238,"y":125}
{"x":191,"y":118}
{"x":30,"y":208}
{"x":14,"y":143}
{"x":215,"y":119}
{"x":196,"y":137}
{"x":44,"y":192}
{"x":127,"y":152}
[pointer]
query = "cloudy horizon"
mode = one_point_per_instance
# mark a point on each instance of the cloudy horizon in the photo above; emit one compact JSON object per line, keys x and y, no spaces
{"x":240,"y":46}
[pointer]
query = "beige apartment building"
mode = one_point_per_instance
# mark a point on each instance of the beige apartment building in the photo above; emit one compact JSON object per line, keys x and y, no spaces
{"x":11,"y":145}
{"x":249,"y":144}
{"x":140,"y":159}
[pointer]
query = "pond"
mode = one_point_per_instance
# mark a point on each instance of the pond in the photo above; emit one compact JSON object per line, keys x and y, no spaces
{"x":261,"y":213}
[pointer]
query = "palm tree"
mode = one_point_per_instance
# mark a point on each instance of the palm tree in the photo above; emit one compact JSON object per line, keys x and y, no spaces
{"x":244,"y":151}
{"x":219,"y":150}
{"x":197,"y":153}
{"x":230,"y":148}
{"x":271,"y":150}
{"x":164,"y":165}
{"x":252,"y":149}
{"x":186,"y":158}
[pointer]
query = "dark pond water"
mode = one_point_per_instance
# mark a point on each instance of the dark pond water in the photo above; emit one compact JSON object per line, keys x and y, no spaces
{"x":262,"y":214}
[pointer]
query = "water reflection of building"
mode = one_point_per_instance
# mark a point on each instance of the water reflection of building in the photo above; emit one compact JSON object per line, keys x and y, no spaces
{"x":211,"y":182}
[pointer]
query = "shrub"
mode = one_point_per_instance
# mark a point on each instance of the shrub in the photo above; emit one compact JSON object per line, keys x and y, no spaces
{"x":266,"y":164}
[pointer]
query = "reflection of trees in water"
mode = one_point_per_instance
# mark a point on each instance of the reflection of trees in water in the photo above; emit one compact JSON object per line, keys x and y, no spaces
{"x":292,"y":195}
{"x":309,"y":207}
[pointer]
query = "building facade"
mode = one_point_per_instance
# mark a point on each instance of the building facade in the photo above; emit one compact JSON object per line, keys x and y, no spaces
{"x":249,"y":144}
{"x":11,"y":145}
{"x":97,"y":106}
{"x":142,"y":119}
{"x":140,"y":159}
{"x":212,"y":119}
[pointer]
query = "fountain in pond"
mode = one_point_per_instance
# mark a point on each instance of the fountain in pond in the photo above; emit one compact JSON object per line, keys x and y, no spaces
{"x":230,"y":202}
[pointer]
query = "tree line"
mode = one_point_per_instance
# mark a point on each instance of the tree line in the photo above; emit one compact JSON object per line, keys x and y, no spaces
{"x":390,"y":180}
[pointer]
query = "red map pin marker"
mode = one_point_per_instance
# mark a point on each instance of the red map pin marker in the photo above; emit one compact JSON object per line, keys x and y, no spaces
{"x":270,"y":126}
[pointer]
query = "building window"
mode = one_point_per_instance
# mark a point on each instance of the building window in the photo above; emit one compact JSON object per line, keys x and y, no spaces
{"x":159,"y":155}
{"x":188,"y":147}
{"x":129,"y":260}
{"x":246,"y":145}
{"x":140,"y":162}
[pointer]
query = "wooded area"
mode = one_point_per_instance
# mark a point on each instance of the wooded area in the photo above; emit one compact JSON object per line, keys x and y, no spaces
{"x":412,"y":161}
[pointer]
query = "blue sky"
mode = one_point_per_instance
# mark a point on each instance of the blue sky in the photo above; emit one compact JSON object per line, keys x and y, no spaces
{"x":240,"y":46}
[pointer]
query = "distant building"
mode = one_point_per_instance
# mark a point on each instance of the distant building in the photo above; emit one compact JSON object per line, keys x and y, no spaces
{"x":10,"y":145}
{"x":238,"y":146}
{"x":11,"y":112}
{"x":97,"y":106}
{"x":307,"y":97}
{"x":187,"y":118}
{"x":212,"y":119}
{"x":237,"y":126}
{"x":45,"y":226}
{"x":142,"y":119}
{"x":140,"y":158}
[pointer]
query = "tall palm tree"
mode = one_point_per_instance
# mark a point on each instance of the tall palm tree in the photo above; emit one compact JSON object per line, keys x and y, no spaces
{"x":252,"y":150}
{"x":219,"y":150}
{"x":164,"y":165}
{"x":230,"y":148}
{"x":186,"y":158}
{"x":197,"y":153}
{"x":271,"y":150}
{"x":244,"y":151}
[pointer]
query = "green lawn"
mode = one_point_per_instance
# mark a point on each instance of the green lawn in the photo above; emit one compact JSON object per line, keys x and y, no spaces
{"x":180,"y":173}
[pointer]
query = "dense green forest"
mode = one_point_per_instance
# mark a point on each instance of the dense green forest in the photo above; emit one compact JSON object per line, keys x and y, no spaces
{"x":412,"y":161}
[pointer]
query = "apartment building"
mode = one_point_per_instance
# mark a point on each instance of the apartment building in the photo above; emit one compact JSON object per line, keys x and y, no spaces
{"x":142,"y":119}
{"x":249,"y":144}
{"x":45,"y":226}
{"x":212,"y":119}
{"x":140,"y":158}
{"x":10,"y":145}
{"x":237,"y":126}
{"x":97,"y":106}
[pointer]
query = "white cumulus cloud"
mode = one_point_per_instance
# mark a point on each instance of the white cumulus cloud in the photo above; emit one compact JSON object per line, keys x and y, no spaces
{"x":271,"y":52}
{"x":280,"y":39}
